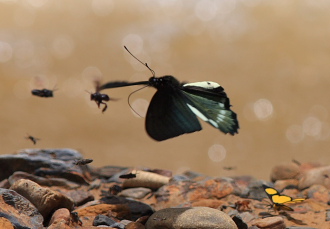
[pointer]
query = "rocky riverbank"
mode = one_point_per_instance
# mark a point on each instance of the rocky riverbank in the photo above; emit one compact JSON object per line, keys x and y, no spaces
{"x":54,"y":188}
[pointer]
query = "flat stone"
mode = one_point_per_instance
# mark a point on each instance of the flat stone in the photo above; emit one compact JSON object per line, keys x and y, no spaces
{"x":137,"y":209}
{"x":103,"y":220}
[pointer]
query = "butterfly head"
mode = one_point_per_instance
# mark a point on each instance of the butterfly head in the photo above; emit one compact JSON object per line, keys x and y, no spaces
{"x":164,"y":82}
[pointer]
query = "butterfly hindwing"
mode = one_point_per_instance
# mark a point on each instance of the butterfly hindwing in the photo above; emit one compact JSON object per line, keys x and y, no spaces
{"x":209,"y":102}
{"x":169,"y":116}
{"x":279,"y":200}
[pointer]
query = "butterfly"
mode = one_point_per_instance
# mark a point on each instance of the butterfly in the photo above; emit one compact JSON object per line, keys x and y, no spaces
{"x":278,"y":200}
{"x":174,"y":108}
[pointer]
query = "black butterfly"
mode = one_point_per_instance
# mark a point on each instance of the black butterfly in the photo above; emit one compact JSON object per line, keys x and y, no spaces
{"x":174,"y":107}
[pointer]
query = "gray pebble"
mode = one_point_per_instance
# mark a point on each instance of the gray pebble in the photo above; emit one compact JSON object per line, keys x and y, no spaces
{"x":136,"y":193}
{"x":186,"y":218}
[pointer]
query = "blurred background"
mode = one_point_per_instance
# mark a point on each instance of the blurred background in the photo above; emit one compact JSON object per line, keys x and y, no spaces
{"x":272,"y":58}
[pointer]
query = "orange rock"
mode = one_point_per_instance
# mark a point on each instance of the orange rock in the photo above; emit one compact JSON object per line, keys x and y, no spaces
{"x":118,"y":210}
{"x":5,"y":223}
{"x":61,"y":214}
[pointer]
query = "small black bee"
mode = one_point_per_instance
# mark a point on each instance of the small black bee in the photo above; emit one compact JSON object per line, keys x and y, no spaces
{"x":99,"y":97}
{"x":83,"y":161}
{"x":33,"y":139}
{"x":46,"y":93}
{"x":128,"y":176}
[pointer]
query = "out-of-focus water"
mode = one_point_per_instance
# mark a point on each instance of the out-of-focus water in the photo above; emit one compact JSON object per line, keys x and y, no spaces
{"x":272,"y":58}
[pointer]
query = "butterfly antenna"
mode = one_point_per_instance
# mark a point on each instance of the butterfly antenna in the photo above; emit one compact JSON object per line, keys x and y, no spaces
{"x":145,"y":64}
{"x":130,"y":97}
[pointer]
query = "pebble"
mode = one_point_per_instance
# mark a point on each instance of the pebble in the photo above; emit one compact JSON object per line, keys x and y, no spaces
{"x":45,"y":199}
{"x":318,"y":192}
{"x":186,"y":218}
{"x":135,"y":193}
{"x":319,"y":175}
{"x":103,"y":220}
{"x":79,"y":197}
{"x":62,"y":214}
{"x":146,"y":180}
{"x":284,"y":171}
{"x":275,"y":222}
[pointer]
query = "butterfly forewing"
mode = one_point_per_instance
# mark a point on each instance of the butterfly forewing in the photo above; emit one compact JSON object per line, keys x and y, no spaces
{"x":169,"y":116}
{"x":211,"y":104}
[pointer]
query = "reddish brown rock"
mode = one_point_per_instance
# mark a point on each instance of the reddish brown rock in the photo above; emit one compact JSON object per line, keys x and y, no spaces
{"x":59,"y":224}
{"x":88,"y":214}
{"x":135,"y":225}
{"x":186,"y":192}
{"x":5,"y":223}
{"x":284,"y":171}
{"x":61,"y":214}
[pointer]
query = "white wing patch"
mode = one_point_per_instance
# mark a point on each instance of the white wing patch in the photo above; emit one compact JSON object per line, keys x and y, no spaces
{"x":199,"y":114}
{"x":204,"y":84}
